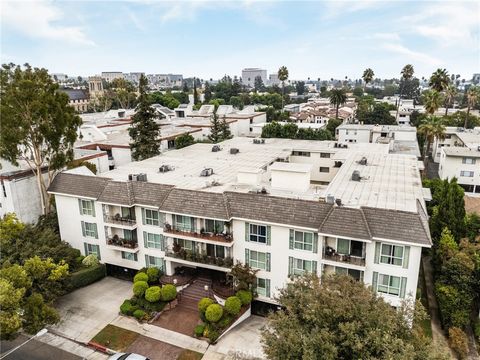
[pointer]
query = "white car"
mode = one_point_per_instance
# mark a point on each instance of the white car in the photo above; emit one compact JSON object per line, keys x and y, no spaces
{"x":127,"y":356}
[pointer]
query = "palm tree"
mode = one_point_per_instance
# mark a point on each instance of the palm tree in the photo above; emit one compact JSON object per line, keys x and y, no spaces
{"x":283,"y":76}
{"x":337,"y":98}
{"x":439,"y":80}
{"x":407,"y":73}
{"x":432,"y":127}
{"x":432,"y":100}
{"x":367,"y":77}
{"x":473,"y":94}
{"x":450,"y":93}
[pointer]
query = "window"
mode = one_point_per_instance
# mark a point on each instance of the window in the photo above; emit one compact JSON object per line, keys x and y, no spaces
{"x":325,"y":155}
{"x":263,"y":287}
{"x":151,"y":217}
{"x":185,"y":244}
{"x":216,"y":251}
{"x":4,"y":190}
{"x":86,"y":207}
{"x":466,"y":173}
{"x":300,"y":153}
{"x":129,"y":256}
{"x":388,"y":284}
{"x":214,"y":226}
{"x":153,"y":241}
{"x":391,"y":254}
{"x":258,"y":233}
{"x":350,"y":247}
{"x":258,"y":260}
{"x":356,"y":274}
{"x":152,"y":261}
{"x":184,"y":223}
{"x":89,"y":229}
{"x":92,"y":249}
{"x":303,"y":241}
{"x":324,"y":169}
{"x":300,"y":266}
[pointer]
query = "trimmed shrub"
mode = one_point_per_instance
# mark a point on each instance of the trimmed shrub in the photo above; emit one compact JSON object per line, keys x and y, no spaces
{"x":458,"y":342}
{"x":233,"y":305}
{"x":204,"y":303}
{"x":139,"y":314}
{"x":199,"y":329}
{"x":127,"y":308}
{"x":139,"y":288}
{"x":152,"y":294}
{"x":87,"y":276}
{"x":153,"y":275}
{"x":90,"y":260}
{"x":141,"y":276}
{"x":245,"y":296}
{"x":211,"y":333}
{"x":168,"y":292}
{"x":225,"y":321}
{"x":150,"y":306}
{"x":214,"y":313}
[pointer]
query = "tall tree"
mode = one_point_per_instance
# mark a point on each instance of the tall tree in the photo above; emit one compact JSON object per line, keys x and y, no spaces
{"x":431,"y":128}
{"x":225,"y":129}
{"x":258,"y":84}
{"x":337,"y":97}
{"x":185,"y":88}
{"x":340,"y":318}
{"x":300,"y":87}
{"x":450,"y":93}
{"x":215,"y":128}
{"x":407,"y":74}
{"x":432,"y":99}
{"x":207,"y":93}
{"x":38,"y":126}
{"x":439,"y":80}
{"x":473,"y":95}
{"x":195,"y":93}
{"x":144,"y":131}
{"x":367,"y":77}
{"x":283,"y":76}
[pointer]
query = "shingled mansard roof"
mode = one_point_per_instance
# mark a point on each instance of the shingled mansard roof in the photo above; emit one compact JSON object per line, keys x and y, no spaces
{"x":365,"y":223}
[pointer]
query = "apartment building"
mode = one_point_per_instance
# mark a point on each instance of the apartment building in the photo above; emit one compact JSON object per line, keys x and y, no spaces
{"x":283,"y":206}
{"x":109,"y":76}
{"x":249,"y":75}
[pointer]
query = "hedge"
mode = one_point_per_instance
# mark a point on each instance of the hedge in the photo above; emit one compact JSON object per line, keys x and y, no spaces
{"x":204,"y":303}
{"x":139,"y":314}
{"x":152,"y":294}
{"x":87,"y":276}
{"x":245,"y":296}
{"x":168,"y":292}
{"x":233,"y":305}
{"x":153,"y":274}
{"x":139,"y":288}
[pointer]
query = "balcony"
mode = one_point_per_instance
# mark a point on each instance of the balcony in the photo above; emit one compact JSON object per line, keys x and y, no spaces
{"x":119,"y":215}
{"x":119,"y":220}
{"x":123,"y":243}
{"x":224,"y":262}
{"x":332,"y":255}
{"x":344,"y":251}
{"x":226,"y":237}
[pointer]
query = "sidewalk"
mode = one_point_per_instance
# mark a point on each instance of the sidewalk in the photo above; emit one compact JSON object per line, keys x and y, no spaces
{"x":72,"y":347}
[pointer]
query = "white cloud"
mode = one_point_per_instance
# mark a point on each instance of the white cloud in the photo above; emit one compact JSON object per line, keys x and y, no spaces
{"x":411,"y":54}
{"x":339,"y":7}
{"x":39,"y":19}
{"x":386,"y":36}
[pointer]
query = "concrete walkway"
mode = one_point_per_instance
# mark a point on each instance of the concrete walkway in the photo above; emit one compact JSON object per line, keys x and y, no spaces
{"x":161,"y":334}
{"x":72,"y":347}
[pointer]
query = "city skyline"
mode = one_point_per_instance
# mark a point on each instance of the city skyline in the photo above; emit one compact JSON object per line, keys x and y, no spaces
{"x":209,"y":39}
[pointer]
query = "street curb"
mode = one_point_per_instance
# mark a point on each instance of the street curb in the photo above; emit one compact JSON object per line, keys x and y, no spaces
{"x":98,"y":347}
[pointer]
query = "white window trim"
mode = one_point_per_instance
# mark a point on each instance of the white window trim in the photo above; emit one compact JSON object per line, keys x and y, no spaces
{"x":391,"y":256}
{"x":258,"y":262}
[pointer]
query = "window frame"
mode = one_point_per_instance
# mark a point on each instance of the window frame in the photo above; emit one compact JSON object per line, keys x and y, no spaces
{"x":152,"y":244}
{"x":325,"y":155}
{"x":303,"y":243}
{"x":261,"y":290}
{"x":255,"y":263}
{"x":88,"y":232}
{"x":129,"y":256}
{"x":257,"y":235}
{"x":391,"y":256}
{"x":464,"y":172}
{"x":301,"y":270}
{"x":323,"y":168}
{"x":85,"y":210}
{"x":92,"y":249}
{"x":389,"y":285}
{"x":150,"y":220}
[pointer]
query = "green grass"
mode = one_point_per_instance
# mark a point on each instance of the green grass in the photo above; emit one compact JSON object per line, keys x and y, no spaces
{"x":425,"y":325}
{"x":189,"y":355}
{"x":115,"y":337}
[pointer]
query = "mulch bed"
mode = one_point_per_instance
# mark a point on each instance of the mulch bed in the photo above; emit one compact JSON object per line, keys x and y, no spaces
{"x":154,"y":349}
{"x":180,"y":319}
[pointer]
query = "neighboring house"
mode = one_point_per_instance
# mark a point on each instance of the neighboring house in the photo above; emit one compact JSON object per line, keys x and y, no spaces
{"x":283,"y":206}
{"x":78,"y":99}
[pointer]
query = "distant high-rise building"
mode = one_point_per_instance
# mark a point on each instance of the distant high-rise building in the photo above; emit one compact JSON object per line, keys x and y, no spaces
{"x":134,"y":77}
{"x":95,"y":86}
{"x":109,"y":76}
{"x":249,"y":75}
{"x":273,"y":79}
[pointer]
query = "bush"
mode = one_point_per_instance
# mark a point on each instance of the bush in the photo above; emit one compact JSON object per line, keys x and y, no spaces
{"x":476,"y":329}
{"x":233,"y":305}
{"x":87,"y":276}
{"x":199,"y":329}
{"x":168,"y":292}
{"x":152,"y":294}
{"x":204,"y":303}
{"x":458,"y":341}
{"x":153,"y":275}
{"x":127,"y":308}
{"x":225,"y":321}
{"x":90,"y":260}
{"x":211,"y":333}
{"x":139,"y":314}
{"x":149,"y":306}
{"x":214,"y":313}
{"x":245,"y":296}
{"x":139,"y":288}
{"x":141,"y":276}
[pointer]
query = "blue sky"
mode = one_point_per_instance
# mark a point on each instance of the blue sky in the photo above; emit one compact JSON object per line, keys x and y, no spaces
{"x":211,"y":38}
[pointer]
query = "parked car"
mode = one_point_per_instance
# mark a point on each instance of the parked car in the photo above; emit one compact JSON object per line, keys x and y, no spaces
{"x":127,"y":356}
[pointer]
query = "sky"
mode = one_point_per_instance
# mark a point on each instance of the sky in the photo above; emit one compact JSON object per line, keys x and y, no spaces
{"x":208,"y":39}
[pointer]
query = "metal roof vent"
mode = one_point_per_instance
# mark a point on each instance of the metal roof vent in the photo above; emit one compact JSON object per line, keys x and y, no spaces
{"x":137,"y":177}
{"x":363,"y":161}
{"x":206,"y":172}
{"x":259,"y":141}
{"x":330,"y":199}
{"x":338,"y":202}
{"x":165,"y":168}
{"x":234,"y":151}
{"x":356,"y":175}
{"x":215,"y":148}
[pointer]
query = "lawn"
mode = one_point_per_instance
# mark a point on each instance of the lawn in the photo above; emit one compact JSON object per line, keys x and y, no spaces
{"x":426,"y":324}
{"x":115,"y":338}
{"x":189,"y":355}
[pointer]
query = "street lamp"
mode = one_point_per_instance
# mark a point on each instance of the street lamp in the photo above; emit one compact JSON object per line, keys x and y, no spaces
{"x":38,"y":334}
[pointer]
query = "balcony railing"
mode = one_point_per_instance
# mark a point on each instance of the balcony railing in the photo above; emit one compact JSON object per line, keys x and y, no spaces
{"x":121,"y":242}
{"x":349,"y":259}
{"x":117,"y":219}
{"x":226,"y":262}
{"x":227,"y":237}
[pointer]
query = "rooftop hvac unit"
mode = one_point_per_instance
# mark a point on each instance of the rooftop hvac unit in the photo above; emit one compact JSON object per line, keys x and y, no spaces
{"x":259,"y":141}
{"x":215,"y":148}
{"x":363,"y":161}
{"x":137,"y":177}
{"x":165,"y":168}
{"x":206,"y":172}
{"x":356,"y":175}
{"x":234,"y":151}
{"x":330,"y":199}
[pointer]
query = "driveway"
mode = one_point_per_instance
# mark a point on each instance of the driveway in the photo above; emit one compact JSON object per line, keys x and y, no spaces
{"x":88,"y":310}
{"x":243,"y":342}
